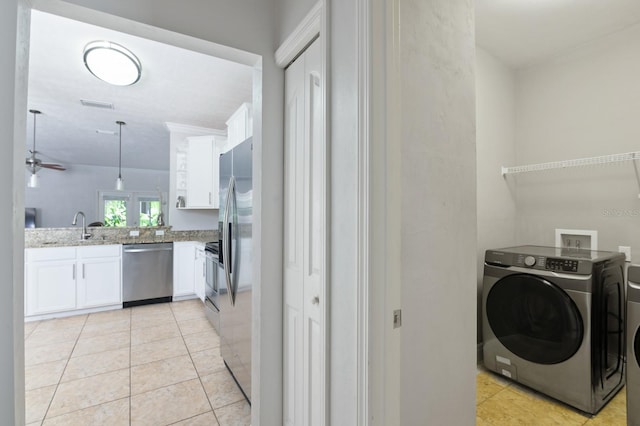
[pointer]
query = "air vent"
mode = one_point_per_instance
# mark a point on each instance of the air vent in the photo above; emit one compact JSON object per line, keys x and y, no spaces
{"x":96,"y":104}
{"x":106,"y":132}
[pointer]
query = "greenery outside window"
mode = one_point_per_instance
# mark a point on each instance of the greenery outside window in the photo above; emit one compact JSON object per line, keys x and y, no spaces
{"x":120,"y":209}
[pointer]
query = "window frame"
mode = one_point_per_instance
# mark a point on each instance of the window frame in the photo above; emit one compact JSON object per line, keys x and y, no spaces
{"x":132,"y":199}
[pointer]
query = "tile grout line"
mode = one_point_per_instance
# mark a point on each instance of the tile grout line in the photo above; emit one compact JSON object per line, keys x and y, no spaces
{"x":196,"y":369}
{"x":63,"y":370}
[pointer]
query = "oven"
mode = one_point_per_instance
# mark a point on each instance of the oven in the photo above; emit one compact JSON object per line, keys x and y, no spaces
{"x":213,"y":292}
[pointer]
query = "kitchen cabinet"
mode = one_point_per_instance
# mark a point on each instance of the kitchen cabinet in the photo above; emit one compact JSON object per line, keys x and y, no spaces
{"x":60,"y":279}
{"x":239,"y":126}
{"x":197,"y":171}
{"x":99,"y":276}
{"x":183,"y":268}
{"x":189,"y":273}
{"x":200,"y":272}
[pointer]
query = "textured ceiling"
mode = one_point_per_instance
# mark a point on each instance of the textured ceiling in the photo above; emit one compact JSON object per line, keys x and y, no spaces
{"x":525,"y":32}
{"x":177,"y":85}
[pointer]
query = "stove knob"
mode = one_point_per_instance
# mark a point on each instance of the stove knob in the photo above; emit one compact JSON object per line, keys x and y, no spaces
{"x":529,"y":261}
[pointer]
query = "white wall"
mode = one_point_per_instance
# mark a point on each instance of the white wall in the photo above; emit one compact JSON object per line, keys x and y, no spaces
{"x":61,"y":194}
{"x":436,"y":48}
{"x":495,"y":147}
{"x":290,"y":13}
{"x":242,"y":24}
{"x":582,"y":104}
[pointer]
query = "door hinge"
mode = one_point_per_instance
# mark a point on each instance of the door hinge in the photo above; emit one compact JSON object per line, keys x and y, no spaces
{"x":397,"y":318}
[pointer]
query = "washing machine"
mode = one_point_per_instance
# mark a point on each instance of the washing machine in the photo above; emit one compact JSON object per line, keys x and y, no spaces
{"x":553,"y":320}
{"x":633,"y":345}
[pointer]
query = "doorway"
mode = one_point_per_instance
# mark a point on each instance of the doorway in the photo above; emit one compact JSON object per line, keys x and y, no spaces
{"x":267,"y":168}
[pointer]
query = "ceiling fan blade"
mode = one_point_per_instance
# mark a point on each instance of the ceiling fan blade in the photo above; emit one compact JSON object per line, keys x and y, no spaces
{"x":52,"y":166}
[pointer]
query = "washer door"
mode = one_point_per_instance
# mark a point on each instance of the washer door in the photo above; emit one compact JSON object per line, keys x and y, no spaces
{"x":535,"y":319}
{"x":636,"y":346}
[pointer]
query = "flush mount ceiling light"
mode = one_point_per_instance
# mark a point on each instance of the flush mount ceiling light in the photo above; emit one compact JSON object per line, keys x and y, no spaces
{"x":112,"y":63}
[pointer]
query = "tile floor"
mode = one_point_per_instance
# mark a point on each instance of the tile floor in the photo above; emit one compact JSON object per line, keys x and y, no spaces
{"x":148,"y":365}
{"x":502,"y":402}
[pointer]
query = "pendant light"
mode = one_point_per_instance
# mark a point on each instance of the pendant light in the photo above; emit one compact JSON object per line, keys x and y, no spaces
{"x":119,"y":181}
{"x":33,"y":166}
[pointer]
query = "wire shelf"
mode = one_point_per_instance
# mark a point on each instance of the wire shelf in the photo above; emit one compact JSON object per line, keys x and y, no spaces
{"x":580,"y":162}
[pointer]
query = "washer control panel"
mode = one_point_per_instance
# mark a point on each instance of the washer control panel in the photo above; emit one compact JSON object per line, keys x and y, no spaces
{"x":564,"y":265}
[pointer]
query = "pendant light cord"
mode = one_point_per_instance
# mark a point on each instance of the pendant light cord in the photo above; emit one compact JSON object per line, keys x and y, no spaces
{"x":120,"y":123}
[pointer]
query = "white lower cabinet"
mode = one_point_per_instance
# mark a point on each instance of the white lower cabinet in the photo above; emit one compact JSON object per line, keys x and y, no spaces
{"x":99,"y":283}
{"x":200,"y":273}
{"x":69,"y":278}
{"x":184,"y":254}
{"x":50,"y":287}
{"x":188,"y":270}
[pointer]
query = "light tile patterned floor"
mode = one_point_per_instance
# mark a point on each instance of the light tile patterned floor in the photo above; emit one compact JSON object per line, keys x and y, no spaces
{"x":501,"y":402}
{"x":148,"y":365}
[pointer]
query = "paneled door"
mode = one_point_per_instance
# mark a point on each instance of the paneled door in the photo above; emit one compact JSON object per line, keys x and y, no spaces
{"x":305,"y":241}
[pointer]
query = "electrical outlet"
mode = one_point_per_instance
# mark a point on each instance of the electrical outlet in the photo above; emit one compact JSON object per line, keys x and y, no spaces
{"x":627,"y":252}
{"x":160,"y":232}
{"x":134,"y":233}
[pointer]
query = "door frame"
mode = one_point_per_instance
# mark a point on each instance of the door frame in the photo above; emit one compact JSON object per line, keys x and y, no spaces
{"x":139,"y":29}
{"x":314,"y":27}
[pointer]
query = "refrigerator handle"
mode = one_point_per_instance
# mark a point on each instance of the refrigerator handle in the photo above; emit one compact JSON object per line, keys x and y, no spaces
{"x":226,"y":242}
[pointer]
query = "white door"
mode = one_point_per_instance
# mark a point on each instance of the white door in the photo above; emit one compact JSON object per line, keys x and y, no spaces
{"x":304,"y":255}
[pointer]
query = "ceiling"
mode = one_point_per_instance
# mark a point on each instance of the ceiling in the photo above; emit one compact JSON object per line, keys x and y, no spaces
{"x":525,"y":32}
{"x":177,"y":85}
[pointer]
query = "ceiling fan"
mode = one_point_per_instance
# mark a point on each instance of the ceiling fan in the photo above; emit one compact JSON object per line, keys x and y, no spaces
{"x":33,"y":163}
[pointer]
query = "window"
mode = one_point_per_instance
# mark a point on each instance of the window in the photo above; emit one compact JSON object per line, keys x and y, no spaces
{"x":119,"y":209}
{"x":114,"y":210}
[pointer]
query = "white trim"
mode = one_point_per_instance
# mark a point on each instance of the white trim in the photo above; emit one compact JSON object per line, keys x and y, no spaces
{"x":74,"y":312}
{"x":301,"y":36}
{"x":362,"y":279}
{"x":591,"y":236}
{"x":194,"y":130}
{"x":325,"y":46}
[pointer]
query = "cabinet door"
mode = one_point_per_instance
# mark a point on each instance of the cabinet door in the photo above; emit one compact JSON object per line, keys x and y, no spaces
{"x":200,"y":274}
{"x":200,"y":192}
{"x":99,"y":282}
{"x":183,"y":268}
{"x":50,"y":287}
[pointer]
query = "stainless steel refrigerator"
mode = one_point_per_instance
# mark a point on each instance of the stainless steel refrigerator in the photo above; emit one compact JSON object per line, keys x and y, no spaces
{"x":235,"y":230}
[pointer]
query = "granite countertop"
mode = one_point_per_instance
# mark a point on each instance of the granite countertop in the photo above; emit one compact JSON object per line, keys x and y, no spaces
{"x":66,"y":237}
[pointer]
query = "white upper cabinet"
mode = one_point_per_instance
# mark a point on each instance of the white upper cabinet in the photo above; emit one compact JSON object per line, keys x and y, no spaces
{"x":197,"y":171}
{"x":239,"y":126}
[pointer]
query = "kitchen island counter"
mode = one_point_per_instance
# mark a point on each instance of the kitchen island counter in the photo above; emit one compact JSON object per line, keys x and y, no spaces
{"x":67,"y":237}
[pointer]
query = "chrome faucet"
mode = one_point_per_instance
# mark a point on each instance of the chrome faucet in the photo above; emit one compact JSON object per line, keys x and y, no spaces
{"x":85,"y":234}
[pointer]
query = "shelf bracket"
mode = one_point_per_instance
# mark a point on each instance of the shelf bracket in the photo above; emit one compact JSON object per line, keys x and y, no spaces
{"x":635,"y":169}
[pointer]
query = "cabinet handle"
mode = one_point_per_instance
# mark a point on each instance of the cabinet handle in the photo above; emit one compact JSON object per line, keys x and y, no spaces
{"x":74,"y":271}
{"x":204,"y":273}
{"x":209,"y":198}
{"x":83,"y":271}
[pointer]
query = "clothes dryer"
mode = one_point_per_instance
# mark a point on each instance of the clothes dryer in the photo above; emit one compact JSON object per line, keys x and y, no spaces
{"x":553,"y":320}
{"x":633,"y":345}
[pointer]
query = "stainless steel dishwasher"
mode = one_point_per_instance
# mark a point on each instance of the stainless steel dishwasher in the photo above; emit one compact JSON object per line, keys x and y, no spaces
{"x":147,"y":273}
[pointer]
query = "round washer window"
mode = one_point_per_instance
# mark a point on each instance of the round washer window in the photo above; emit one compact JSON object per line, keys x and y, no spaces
{"x":535,"y":319}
